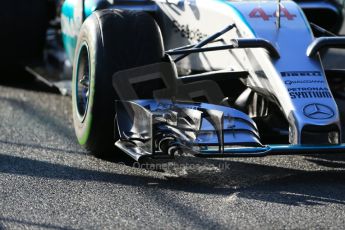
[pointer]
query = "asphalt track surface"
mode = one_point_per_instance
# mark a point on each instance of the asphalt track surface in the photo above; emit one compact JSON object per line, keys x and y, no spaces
{"x":48,"y":182}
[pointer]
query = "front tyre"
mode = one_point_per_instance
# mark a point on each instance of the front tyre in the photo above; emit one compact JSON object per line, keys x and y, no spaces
{"x":109,"y":41}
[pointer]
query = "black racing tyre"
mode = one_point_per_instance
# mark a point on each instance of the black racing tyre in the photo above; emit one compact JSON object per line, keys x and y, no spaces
{"x":109,"y":41}
{"x":23,"y":24}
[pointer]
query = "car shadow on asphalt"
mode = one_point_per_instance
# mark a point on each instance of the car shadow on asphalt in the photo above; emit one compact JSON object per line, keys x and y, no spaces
{"x":247,"y":180}
{"x":29,"y":224}
{"x":303,"y":189}
{"x":19,"y":78}
{"x":330,"y":161}
{"x":154,"y":188}
{"x":244,"y":180}
{"x":29,"y":167}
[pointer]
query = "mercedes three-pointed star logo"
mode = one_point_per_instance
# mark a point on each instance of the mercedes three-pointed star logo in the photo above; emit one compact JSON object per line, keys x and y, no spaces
{"x":318,"y":111}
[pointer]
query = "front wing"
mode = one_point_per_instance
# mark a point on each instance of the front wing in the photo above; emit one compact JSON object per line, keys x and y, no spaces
{"x":161,"y":129}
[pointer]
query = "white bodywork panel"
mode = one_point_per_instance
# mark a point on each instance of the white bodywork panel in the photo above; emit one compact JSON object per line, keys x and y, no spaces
{"x":294,"y":81}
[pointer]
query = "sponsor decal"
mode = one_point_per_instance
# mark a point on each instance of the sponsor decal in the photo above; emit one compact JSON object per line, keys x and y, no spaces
{"x":318,"y":111}
{"x":309,"y":92}
{"x":290,"y":82}
{"x":187,"y":32}
{"x":260,"y":13}
{"x":301,"y":74}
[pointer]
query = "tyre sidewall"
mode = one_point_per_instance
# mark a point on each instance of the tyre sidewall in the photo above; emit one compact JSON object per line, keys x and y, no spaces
{"x":116,"y":40}
{"x":89,"y":36}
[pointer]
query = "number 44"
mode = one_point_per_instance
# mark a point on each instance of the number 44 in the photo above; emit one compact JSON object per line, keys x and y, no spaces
{"x":260,"y":13}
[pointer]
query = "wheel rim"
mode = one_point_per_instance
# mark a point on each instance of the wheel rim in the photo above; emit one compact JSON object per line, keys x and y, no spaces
{"x":82,"y":82}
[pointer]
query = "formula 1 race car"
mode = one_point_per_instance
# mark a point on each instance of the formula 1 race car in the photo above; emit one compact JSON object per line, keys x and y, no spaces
{"x":211,"y":78}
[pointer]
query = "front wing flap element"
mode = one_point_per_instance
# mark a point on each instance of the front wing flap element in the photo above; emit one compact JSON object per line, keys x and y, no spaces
{"x":165,"y":128}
